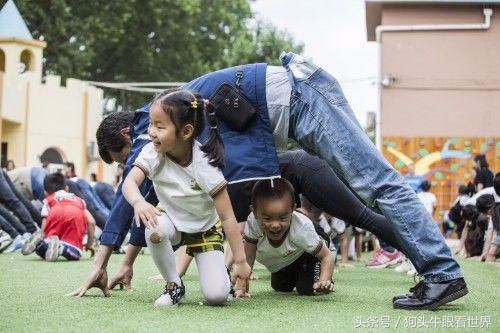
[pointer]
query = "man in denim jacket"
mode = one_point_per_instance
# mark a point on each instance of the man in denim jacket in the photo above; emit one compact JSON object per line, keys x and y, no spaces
{"x":303,"y":102}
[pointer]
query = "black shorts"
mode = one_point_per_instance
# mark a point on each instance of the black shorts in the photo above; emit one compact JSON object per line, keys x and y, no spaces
{"x":301,"y":274}
{"x":240,"y":195}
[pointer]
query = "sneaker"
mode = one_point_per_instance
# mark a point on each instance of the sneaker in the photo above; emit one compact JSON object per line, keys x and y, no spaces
{"x":5,"y":240}
{"x":52,"y":249}
{"x":26,"y":236}
{"x":412,"y":272}
{"x":30,"y":246}
{"x":346,"y":265}
{"x":405,"y":266}
{"x":120,"y":250}
{"x":383,"y":259}
{"x":172,"y":294}
{"x":16,"y":245}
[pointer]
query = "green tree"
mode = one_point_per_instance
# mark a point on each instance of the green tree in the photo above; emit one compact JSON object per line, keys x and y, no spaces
{"x":149,"y":40}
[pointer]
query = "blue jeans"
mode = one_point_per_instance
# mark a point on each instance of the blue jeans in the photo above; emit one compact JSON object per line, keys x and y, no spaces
{"x":13,"y":201}
{"x":90,"y":195}
{"x":313,"y":178}
{"x":106,"y":193}
{"x":37,"y":177}
{"x":322,"y":122}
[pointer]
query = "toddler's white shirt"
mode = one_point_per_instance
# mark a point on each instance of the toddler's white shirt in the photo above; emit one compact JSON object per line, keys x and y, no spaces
{"x":301,"y":237}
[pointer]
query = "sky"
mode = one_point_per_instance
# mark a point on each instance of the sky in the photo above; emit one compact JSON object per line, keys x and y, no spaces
{"x":334,"y":35}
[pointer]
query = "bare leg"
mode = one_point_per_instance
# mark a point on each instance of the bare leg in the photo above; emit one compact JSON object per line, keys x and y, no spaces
{"x":358,"y":242}
{"x":492,"y":253}
{"x":344,"y":249}
{"x":183,"y":262}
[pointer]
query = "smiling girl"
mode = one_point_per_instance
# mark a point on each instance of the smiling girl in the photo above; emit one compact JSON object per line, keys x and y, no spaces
{"x":192,"y":195}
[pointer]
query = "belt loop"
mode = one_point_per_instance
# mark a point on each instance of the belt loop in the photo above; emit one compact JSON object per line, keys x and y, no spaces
{"x":286,"y":58}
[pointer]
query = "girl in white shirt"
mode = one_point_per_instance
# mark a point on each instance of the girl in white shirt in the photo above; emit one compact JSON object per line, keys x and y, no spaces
{"x":192,"y":195}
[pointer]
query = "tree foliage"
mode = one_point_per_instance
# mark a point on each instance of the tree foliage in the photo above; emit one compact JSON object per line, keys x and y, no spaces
{"x":149,"y":40}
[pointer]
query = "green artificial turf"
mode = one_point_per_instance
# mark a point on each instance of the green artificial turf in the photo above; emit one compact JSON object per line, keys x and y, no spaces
{"x":31,"y":294}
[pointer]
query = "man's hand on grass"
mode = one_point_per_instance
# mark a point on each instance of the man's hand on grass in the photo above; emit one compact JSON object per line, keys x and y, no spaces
{"x":98,"y":278}
{"x":122,"y":278}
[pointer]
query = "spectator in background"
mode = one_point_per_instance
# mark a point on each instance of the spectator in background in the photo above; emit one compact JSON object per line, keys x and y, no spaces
{"x":428,"y":199}
{"x":32,"y":210}
{"x":10,"y":165}
{"x":84,"y":186}
{"x":29,"y":181}
{"x":65,"y":221}
{"x":493,"y":237}
{"x":484,"y":176}
{"x":82,"y":189}
{"x":45,"y":164}
{"x":19,"y":217}
{"x":98,"y":215}
{"x":413,"y":180}
{"x":5,"y":239}
{"x":17,"y":204}
{"x":453,"y":220}
{"x":93,"y":179}
{"x":118,"y":176}
{"x":494,"y":190}
{"x":477,"y":217}
{"x":105,"y":192}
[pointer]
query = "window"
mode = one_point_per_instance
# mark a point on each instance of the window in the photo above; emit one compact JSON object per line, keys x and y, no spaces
{"x":51,"y":155}
{"x":2,"y":61}
{"x":26,"y":61}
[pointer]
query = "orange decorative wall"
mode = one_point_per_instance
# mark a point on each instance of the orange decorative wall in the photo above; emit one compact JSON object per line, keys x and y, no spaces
{"x":446,"y":174}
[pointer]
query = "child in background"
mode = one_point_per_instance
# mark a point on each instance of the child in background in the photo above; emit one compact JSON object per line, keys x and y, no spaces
{"x":65,"y":220}
{"x":453,"y":220}
{"x":321,"y":222}
{"x":477,"y":221}
{"x":286,"y":241}
{"x":493,"y":236}
{"x":428,"y":199}
{"x":192,"y":192}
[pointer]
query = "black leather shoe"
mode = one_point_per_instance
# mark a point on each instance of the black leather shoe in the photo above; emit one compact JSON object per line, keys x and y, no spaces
{"x":430,"y":296}
{"x":408,"y":295}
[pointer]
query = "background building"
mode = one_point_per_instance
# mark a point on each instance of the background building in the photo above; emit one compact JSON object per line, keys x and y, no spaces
{"x":48,"y":120}
{"x":440,"y":87}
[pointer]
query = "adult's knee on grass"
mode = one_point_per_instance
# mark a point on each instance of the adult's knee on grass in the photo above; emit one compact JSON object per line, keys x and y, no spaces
{"x":282,"y":286}
{"x":305,"y":289}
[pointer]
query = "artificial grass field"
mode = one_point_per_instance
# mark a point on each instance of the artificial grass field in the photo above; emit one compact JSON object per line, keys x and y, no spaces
{"x":31,"y":300}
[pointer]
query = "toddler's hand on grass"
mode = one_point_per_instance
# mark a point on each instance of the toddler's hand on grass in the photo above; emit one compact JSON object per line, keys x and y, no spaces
{"x":241,"y":294}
